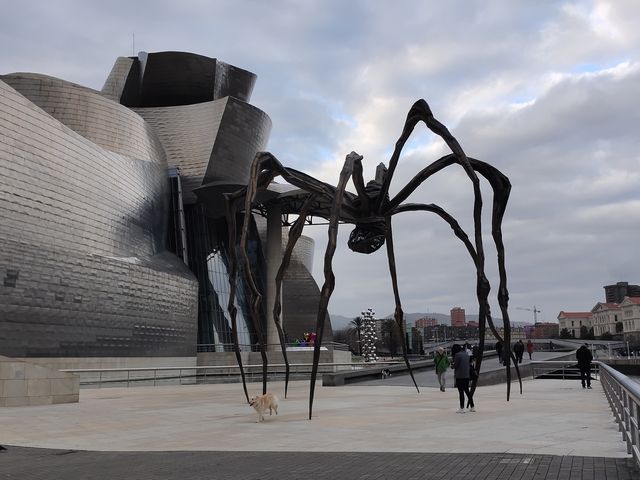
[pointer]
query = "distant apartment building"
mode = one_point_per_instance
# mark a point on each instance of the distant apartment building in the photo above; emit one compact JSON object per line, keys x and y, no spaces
{"x":573,"y":321}
{"x":528,"y":330}
{"x":517,"y":333}
{"x":616,"y":293}
{"x":458,"y":318}
{"x":544,"y":330}
{"x":426,"y":322}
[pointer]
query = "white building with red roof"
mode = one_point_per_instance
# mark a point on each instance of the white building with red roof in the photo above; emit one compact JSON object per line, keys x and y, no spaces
{"x":606,"y":316}
{"x":631,"y":317}
{"x":573,"y":321}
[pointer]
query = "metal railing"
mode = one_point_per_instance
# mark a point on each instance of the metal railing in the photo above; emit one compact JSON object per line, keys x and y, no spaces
{"x":228,"y":347}
{"x":622,"y":393}
{"x":624,"y":398}
{"x":564,"y":369}
{"x":189,"y":375}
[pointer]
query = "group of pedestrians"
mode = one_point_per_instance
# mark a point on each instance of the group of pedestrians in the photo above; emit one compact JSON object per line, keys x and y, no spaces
{"x":464,"y":367}
{"x":464,"y":372}
{"x":518,"y":351}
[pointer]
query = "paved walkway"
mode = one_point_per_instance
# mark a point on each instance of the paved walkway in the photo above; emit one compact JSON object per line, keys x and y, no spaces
{"x":554,"y":430}
{"x":32,"y":464}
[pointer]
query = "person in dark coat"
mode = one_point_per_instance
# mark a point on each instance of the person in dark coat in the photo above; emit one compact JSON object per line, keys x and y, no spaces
{"x":499,"y":351}
{"x":584,"y":357}
{"x":462,"y":374}
{"x":518,"y":350}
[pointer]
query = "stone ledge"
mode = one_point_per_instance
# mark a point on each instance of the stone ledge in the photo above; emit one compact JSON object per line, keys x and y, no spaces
{"x":352,"y":376}
{"x":369,"y":373}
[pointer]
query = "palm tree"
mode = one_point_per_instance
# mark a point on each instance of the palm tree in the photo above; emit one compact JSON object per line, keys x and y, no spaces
{"x":391,"y":335}
{"x":356,"y":326}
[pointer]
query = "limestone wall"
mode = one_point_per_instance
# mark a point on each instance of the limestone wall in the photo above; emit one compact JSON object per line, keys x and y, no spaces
{"x":24,"y":384}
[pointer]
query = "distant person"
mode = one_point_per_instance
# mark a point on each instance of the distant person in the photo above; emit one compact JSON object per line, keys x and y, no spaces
{"x":584,"y":357}
{"x":499,"y":351}
{"x":518,"y":350}
{"x":461,"y":367}
{"x":441,"y":361}
{"x":530,"y":348}
{"x":475,"y":352}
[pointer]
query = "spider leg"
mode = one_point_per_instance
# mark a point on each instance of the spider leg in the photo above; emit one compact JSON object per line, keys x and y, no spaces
{"x":396,"y":294}
{"x":483,"y":304}
{"x":501,"y":189}
{"x":256,"y":297}
{"x":420,"y":111}
{"x":265,"y":168}
{"x":358,"y":182}
{"x":329,"y":277}
{"x":231,"y":209}
{"x":294,"y":234}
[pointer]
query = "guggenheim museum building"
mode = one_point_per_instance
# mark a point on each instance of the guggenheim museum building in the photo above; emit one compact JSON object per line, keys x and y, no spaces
{"x":113,"y":241}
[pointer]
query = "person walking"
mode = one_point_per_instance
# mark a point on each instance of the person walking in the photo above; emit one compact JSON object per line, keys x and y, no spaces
{"x":584,"y":357}
{"x":530,"y":348}
{"x":518,"y":350}
{"x":461,"y":366}
{"x":499,"y":351}
{"x":441,"y":361}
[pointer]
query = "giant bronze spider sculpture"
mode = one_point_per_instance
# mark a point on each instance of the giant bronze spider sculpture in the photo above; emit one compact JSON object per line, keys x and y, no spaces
{"x":370,"y":210}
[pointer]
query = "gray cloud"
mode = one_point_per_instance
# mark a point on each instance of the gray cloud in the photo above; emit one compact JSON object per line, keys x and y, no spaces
{"x":545,"y":91}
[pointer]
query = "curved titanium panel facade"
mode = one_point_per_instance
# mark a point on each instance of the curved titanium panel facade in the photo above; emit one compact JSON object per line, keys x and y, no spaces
{"x":176,"y":78}
{"x":88,"y":210}
{"x":83,"y":270}
{"x":300,"y":300}
{"x":300,"y":293}
{"x":303,"y":251}
{"x":210,"y":141}
{"x":187,"y":134}
{"x":179,"y":78}
{"x":233,"y":82}
{"x":243,"y":132}
{"x":90,"y":114}
{"x":115,"y":83}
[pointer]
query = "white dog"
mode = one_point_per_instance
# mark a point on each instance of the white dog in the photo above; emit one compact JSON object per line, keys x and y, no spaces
{"x":262,"y":403}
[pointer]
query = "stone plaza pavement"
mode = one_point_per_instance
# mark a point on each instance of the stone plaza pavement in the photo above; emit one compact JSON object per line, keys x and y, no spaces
{"x":555,"y":429}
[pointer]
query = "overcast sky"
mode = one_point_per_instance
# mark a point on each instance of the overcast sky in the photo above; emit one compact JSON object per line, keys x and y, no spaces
{"x":546,"y":91}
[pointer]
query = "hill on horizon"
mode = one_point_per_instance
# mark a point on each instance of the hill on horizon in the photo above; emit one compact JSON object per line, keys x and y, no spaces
{"x":341,"y":321}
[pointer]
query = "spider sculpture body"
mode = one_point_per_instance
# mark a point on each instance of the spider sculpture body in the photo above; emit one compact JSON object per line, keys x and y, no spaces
{"x":371,"y":210}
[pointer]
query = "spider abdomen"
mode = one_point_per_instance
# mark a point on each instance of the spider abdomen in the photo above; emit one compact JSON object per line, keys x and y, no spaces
{"x":367,"y":237}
